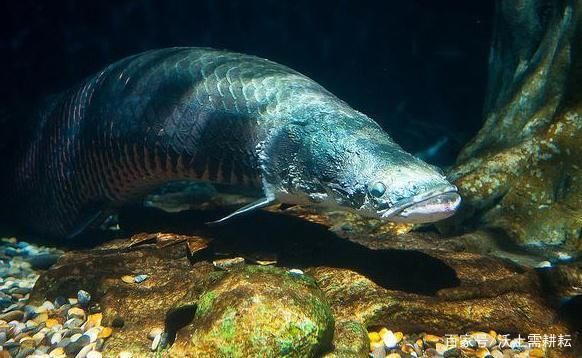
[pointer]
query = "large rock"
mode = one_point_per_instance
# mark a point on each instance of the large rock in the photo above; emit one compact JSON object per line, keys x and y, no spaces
{"x":214,"y":312}
{"x":258,"y":311}
{"x":521,"y":176}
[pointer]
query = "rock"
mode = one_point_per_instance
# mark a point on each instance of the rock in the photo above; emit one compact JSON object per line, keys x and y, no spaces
{"x":350,"y":339}
{"x":156,"y":331}
{"x":355,"y":297}
{"x":140,"y":278}
{"x":76,"y":312}
{"x":83,"y":297}
{"x":105,"y":332}
{"x":520,"y":176}
{"x":15,"y":315}
{"x":290,"y":317}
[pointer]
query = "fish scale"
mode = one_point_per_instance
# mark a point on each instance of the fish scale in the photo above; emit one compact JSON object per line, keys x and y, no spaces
{"x":208,"y":115}
{"x":112,"y":139}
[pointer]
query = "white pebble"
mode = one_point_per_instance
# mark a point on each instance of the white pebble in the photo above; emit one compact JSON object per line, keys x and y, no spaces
{"x":94,"y":354}
{"x":156,"y":342}
{"x":75,"y":336}
{"x":83,"y":352}
{"x":296,"y":271}
{"x":48,"y":305}
{"x":156,"y":331}
{"x":56,"y":338}
{"x":124,"y":354}
{"x":390,"y":340}
{"x":92,"y":333}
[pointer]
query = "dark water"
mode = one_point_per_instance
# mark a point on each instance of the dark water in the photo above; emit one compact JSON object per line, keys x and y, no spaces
{"x":417,"y":67}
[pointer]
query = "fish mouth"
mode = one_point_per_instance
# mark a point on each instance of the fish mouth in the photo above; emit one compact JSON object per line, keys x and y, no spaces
{"x":431,"y":206}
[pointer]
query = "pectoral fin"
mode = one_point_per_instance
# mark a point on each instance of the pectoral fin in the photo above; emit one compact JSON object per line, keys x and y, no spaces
{"x":261,"y":203}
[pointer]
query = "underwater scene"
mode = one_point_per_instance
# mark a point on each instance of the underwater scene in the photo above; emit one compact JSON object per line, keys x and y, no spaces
{"x":270,"y":178}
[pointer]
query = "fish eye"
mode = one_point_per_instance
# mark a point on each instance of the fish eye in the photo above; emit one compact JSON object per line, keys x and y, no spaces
{"x":377,"y":189}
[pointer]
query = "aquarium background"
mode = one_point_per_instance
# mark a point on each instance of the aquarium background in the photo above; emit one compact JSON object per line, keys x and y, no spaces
{"x":417,"y":67}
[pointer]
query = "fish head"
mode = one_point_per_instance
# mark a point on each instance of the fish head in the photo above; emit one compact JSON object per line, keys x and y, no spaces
{"x":356,"y":166}
{"x":371,"y":175}
{"x":400,"y":187}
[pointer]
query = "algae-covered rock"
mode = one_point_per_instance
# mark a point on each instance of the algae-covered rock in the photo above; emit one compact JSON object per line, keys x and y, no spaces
{"x":258,"y":312}
{"x":521,"y":175}
{"x":350,"y":340}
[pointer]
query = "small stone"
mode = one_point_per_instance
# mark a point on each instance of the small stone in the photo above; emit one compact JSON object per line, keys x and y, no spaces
{"x":73,"y":323}
{"x":390,"y":340}
{"x":76,"y":312}
{"x":140,"y":278}
{"x":378,"y":350}
{"x":56,"y":338}
{"x":393,"y":355}
{"x":83,"y":297}
{"x":496,"y":353}
{"x":15,"y":315}
{"x":453,"y":353}
{"x":94,"y":354}
{"x":51,"y":322}
{"x":73,"y":301}
{"x":117,"y":322}
{"x":41,"y":317}
{"x":76,"y":345}
{"x":154,"y":332}
{"x":38,"y":337}
{"x":297,"y":272}
{"x":105,"y":332}
{"x":127,"y":279}
{"x":48,"y":305}
{"x":94,"y":320}
{"x":75,"y":337}
{"x":430,"y":338}
{"x":83,"y":352}
{"x":536,"y":353}
{"x":156,"y":342}
{"x":440,"y":348}
{"x":431,"y":353}
{"x":227,"y":264}
{"x":482,"y":352}
{"x":92,"y":333}
{"x":25,"y":352}
{"x":374,"y":337}
{"x":59,"y":301}
{"x":124,"y":354}
{"x":408,"y":348}
{"x":64,"y":342}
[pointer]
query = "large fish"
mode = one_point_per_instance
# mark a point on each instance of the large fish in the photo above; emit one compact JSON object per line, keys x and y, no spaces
{"x":222,"y":117}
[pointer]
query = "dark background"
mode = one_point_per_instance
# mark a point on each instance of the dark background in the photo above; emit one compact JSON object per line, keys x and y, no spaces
{"x":417,"y":67}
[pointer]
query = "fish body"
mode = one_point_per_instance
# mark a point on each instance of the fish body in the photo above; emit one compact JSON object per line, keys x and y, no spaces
{"x":220,"y":117}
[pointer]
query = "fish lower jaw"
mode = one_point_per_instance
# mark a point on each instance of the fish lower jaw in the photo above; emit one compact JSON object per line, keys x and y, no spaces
{"x":432,"y":209}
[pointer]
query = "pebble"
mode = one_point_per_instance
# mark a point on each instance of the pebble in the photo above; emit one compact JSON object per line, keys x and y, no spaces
{"x":15,"y":315}
{"x":54,"y":329}
{"x":154,"y":332}
{"x":377,"y":350}
{"x":390,"y":340}
{"x":124,"y":354}
{"x":83,"y":297}
{"x":76,"y":312}
{"x":85,"y":350}
{"x":105,"y":332}
{"x":127,"y":279}
{"x":385,"y":343}
{"x":156,"y":342}
{"x":140,"y":278}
